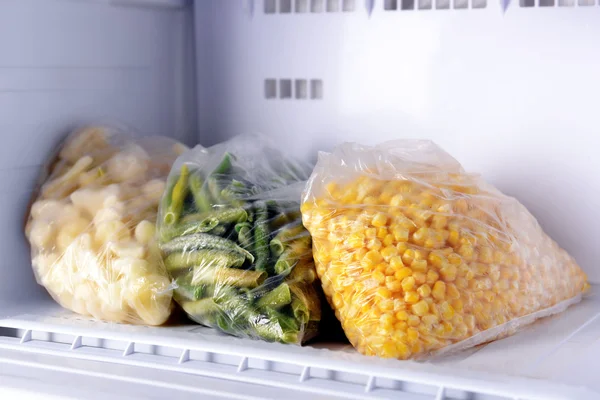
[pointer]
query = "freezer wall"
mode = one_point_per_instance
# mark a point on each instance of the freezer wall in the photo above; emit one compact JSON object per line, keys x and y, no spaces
{"x":510,"y":94}
{"x":64,"y":63}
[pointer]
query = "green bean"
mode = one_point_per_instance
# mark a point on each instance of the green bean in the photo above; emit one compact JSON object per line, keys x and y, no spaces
{"x":178,"y":195}
{"x":206,"y":257}
{"x":306,"y":305}
{"x":228,"y":276}
{"x":201,"y":197}
{"x":261,"y":237}
{"x":276,"y":298}
{"x":286,"y":235}
{"x":200,"y":241}
{"x":200,"y":308}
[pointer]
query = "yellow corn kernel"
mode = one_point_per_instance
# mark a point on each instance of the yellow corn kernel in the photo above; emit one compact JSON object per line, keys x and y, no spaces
{"x":384,"y":293}
{"x":439,"y":290}
{"x":388,"y":350}
{"x":337,"y":300}
{"x":429,"y":319}
{"x":393,"y":284}
{"x":396,"y":262}
{"x":458,"y":305}
{"x":466,"y":251}
{"x":387,"y":321}
{"x":419,"y":265}
{"x":372,"y":258}
{"x":388,"y":252}
{"x":448,"y":272}
{"x":439,"y":221}
{"x":420,"y":236}
{"x":355,"y":240}
{"x":380,"y":219}
{"x":386,"y":305}
{"x":402,"y":273}
{"x":400,"y":234}
{"x":379,"y":276}
{"x":420,"y":277}
{"x":408,"y":283}
{"x":402,"y":247}
{"x":452,"y":291}
{"x":454,"y":259}
{"x":402,"y":315}
{"x":424,"y":290}
{"x":447,"y":311}
{"x":421,"y":308}
{"x":454,"y":238}
{"x":408,"y":256}
{"x":411,"y":297}
{"x":381,"y":233}
{"x":413,"y":320}
{"x":400,"y":329}
{"x":436,"y":259}
{"x":370,"y":233}
{"x":403,"y":350}
{"x":486,"y":255}
{"x":412,"y":334}
{"x":432,"y":276}
{"x":374,"y":244}
{"x":388,"y":240}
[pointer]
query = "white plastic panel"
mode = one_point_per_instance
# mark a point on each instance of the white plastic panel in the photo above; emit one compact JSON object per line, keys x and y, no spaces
{"x":64,"y":63}
{"x":510,"y":95}
{"x":555,"y":358}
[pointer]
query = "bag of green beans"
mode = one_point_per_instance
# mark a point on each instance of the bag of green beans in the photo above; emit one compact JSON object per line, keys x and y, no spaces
{"x":231,"y":234}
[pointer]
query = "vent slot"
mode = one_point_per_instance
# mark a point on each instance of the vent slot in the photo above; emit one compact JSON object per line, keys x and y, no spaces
{"x":299,"y":89}
{"x":285,"y":6}
{"x":270,"y":6}
{"x":285,"y":88}
{"x":389,"y":5}
{"x":348,"y":5}
{"x":270,"y":89}
{"x":317,"y":6}
{"x":316,"y":89}
{"x":301,"y":6}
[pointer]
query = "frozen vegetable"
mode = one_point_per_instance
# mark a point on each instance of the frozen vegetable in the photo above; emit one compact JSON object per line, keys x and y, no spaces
{"x":92,"y":227}
{"x":232,"y":239}
{"x":416,"y":256}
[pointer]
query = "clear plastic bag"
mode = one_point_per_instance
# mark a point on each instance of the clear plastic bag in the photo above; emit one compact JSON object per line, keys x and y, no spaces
{"x":92,"y":226}
{"x":418,"y":257}
{"x":232,"y":238}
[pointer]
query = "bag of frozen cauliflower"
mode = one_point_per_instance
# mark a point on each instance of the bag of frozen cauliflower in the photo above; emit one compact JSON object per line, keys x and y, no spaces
{"x":92,"y":226}
{"x":418,"y":257}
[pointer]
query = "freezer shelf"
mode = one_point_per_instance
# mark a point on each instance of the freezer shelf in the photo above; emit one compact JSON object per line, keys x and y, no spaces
{"x":552,"y":359}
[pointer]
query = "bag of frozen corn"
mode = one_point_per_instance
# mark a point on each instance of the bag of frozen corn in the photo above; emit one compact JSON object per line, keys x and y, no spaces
{"x":232,"y":238}
{"x":418,"y":257}
{"x":92,"y":226}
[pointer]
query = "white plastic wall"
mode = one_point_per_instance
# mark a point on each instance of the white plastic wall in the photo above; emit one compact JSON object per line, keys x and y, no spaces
{"x":510,"y":95}
{"x":64,"y":63}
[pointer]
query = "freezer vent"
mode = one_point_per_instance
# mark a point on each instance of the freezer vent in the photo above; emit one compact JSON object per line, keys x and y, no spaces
{"x":294,"y":89}
{"x":559,"y":3}
{"x":308,"y":6}
{"x":405,"y":5}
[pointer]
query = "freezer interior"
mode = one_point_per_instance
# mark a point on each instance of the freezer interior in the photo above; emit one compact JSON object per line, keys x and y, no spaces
{"x":506,"y":87}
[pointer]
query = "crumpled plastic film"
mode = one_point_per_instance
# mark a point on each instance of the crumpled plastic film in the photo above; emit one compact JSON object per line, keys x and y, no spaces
{"x":232,"y":238}
{"x":417,"y":257}
{"x":92,"y":226}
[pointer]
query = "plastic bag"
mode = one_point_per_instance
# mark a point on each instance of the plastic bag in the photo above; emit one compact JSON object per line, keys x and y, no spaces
{"x":231,"y":233}
{"x":416,"y":256}
{"x":92,"y":226}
